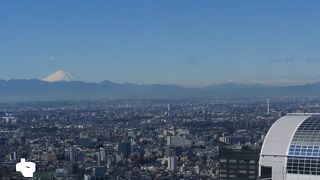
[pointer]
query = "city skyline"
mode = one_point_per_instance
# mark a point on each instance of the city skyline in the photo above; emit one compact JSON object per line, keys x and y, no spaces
{"x":166,"y":42}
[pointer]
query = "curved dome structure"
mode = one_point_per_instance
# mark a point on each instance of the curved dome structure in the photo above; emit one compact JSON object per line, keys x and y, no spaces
{"x":291,"y":149}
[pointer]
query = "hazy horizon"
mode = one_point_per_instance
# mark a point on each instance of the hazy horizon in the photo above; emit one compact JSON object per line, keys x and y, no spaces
{"x":167,"y":42}
{"x":279,"y":83}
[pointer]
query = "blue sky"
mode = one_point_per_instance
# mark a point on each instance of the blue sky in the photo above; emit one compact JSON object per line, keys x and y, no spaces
{"x":184,"y":42}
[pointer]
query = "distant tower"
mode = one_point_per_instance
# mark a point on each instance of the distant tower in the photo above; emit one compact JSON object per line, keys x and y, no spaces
{"x":268,"y":107}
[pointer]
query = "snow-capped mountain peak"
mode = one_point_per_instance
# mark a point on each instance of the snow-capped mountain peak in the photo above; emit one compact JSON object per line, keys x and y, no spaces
{"x":60,"y":75}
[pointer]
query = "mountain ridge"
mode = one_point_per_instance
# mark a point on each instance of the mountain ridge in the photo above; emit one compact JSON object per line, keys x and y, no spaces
{"x":38,"y":90}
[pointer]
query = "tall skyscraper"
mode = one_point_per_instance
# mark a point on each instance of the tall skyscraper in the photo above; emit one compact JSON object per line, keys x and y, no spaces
{"x":172,"y":163}
{"x":102,"y":152}
{"x":124,"y":149}
{"x":169,"y":107}
{"x":72,"y":154}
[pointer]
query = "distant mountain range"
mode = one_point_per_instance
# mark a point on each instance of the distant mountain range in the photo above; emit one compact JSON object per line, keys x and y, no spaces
{"x":40,"y":90}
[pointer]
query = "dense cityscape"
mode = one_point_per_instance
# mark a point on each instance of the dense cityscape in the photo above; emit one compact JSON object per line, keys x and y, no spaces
{"x":159,"y":90}
{"x":141,"y":139}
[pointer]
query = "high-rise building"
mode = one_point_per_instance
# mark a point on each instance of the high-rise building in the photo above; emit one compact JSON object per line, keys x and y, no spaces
{"x":238,"y":162}
{"x":170,"y":151}
{"x":291,"y":149}
{"x":102,"y":152}
{"x":124,"y":149}
{"x":172,"y":163}
{"x":169,"y":107}
{"x":110,"y":160}
{"x":98,"y":156}
{"x":72,"y":154}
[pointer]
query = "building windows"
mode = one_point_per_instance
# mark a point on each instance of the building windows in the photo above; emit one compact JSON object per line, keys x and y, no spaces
{"x":235,"y":162}
{"x":242,"y":171}
{"x":304,"y":151}
{"x":303,"y":165}
{"x":223,"y":160}
{"x":223,"y":175}
{"x":266,"y":172}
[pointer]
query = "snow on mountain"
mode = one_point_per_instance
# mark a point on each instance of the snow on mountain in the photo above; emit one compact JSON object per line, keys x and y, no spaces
{"x":60,"y":76}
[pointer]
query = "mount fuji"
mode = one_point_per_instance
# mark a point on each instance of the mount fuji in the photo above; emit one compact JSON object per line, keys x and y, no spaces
{"x":60,"y":76}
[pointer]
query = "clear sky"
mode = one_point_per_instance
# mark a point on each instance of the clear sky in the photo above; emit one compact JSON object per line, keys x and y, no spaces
{"x":190,"y":42}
